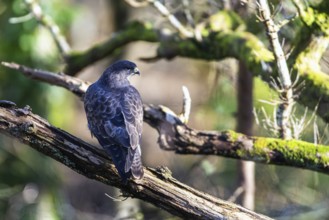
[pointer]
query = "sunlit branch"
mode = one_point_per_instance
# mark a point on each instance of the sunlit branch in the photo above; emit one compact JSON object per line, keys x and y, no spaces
{"x":72,"y":84}
{"x":186,"y":110}
{"x":286,"y":91}
{"x":166,"y":13}
{"x":47,"y":22}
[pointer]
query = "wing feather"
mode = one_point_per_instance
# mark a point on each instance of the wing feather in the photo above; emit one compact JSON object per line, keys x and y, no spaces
{"x":133,"y":115}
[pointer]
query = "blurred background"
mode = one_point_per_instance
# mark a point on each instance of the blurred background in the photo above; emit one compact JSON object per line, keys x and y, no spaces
{"x":33,"y":186}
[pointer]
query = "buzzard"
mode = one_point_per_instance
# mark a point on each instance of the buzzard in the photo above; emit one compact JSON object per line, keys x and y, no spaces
{"x":114,"y":112}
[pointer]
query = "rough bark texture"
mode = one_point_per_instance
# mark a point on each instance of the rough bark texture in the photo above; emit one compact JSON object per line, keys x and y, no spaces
{"x":157,"y":187}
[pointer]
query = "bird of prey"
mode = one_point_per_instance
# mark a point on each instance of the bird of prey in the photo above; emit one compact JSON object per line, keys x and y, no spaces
{"x":114,"y":112}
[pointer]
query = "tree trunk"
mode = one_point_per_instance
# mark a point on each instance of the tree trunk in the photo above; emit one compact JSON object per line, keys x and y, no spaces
{"x":245,"y":119}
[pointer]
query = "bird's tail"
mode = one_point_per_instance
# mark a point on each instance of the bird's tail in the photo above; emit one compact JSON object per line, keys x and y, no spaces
{"x":134,"y":164}
{"x":118,"y":155}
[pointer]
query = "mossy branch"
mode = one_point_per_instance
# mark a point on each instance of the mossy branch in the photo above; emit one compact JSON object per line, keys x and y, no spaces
{"x":176,"y":136}
{"x":310,"y":45}
{"x":135,"y":31}
{"x":218,"y":42}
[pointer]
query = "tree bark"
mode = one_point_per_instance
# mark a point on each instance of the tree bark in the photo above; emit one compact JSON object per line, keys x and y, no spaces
{"x":157,"y":187}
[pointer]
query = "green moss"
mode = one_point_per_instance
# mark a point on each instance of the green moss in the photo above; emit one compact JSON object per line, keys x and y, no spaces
{"x":316,"y":20}
{"x":219,"y":45}
{"x":271,"y":150}
{"x":316,"y":90}
{"x":231,"y":135}
{"x":225,"y":20}
{"x":292,"y":152}
{"x":308,"y":16}
{"x":132,"y":32}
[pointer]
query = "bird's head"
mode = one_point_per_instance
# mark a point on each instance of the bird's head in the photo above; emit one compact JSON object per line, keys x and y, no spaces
{"x":119,"y":72}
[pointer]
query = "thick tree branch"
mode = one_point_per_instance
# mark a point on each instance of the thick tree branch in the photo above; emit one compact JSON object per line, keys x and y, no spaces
{"x":176,"y":136}
{"x":157,"y":187}
{"x":134,"y":31}
{"x":216,"y":45}
{"x":75,"y":85}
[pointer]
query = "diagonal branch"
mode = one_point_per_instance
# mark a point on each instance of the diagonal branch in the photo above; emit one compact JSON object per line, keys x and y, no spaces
{"x":176,"y":136}
{"x":157,"y":187}
{"x":75,"y":85}
{"x":283,"y":113}
{"x":166,"y":13}
{"x":48,"y":23}
{"x":134,"y":31}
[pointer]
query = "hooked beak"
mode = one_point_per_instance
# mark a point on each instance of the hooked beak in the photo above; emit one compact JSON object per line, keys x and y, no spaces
{"x":136,"y":71}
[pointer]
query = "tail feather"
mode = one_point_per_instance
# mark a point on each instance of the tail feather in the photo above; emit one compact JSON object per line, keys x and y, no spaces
{"x":118,"y":156}
{"x":134,"y":164}
{"x":136,"y":167}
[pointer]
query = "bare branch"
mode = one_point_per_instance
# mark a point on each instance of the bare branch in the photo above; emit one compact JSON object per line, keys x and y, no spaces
{"x":47,"y":22}
{"x":73,"y":84}
{"x":285,"y":107}
{"x":137,"y":4}
{"x":236,"y":194}
{"x":21,"y":19}
{"x":166,"y":13}
{"x":188,"y":13}
{"x":184,"y":116}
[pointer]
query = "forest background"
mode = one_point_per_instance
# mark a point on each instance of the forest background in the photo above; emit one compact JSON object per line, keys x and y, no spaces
{"x":221,"y":52}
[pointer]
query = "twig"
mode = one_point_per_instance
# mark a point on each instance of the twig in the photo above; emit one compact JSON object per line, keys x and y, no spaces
{"x":236,"y":194}
{"x":116,"y":199}
{"x":286,"y":95}
{"x":137,"y":4}
{"x":47,"y":22}
{"x":188,"y":13}
{"x":16,"y":20}
{"x":186,"y":110}
{"x":166,"y":13}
